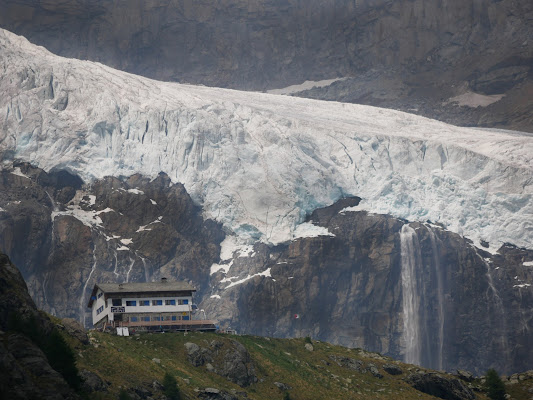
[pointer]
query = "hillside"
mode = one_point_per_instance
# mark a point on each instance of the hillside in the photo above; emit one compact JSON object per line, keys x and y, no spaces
{"x":279,"y":365}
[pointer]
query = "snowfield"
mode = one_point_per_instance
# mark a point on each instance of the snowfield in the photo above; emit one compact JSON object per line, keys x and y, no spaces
{"x":256,"y":162}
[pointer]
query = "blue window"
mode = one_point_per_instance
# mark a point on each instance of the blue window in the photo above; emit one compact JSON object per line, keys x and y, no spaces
{"x":131,"y":303}
{"x":170,"y":302}
{"x":145,"y":318}
{"x":185,"y":318}
{"x":144,"y":302}
{"x":100,"y":294}
{"x":157,"y":302}
{"x":133,"y":319}
{"x":173,"y":318}
{"x":185,"y":301}
{"x":99,"y":310}
{"x":156,"y":318}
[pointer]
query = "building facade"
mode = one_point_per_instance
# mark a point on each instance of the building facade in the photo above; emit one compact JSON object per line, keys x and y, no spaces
{"x":164,"y":305}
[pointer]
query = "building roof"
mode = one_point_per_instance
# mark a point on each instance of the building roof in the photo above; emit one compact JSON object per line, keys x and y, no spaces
{"x":146,"y":287}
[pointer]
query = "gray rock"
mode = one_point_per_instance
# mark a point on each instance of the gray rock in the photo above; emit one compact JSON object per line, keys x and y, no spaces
{"x":465,"y":375}
{"x":75,"y":329}
{"x":374,"y":371}
{"x":156,"y":360}
{"x":440,"y":386}
{"x":309,"y":347}
{"x":215,"y":394}
{"x":282,"y":386}
{"x":92,"y":382}
{"x":392,"y":369}
{"x":209,"y":367}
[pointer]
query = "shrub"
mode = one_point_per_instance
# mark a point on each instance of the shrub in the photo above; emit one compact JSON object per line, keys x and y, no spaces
{"x":123,"y":395}
{"x":171,"y":389}
{"x":308,"y":340}
{"x":494,"y":385}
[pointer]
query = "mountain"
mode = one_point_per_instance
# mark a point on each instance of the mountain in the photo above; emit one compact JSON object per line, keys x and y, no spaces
{"x":378,"y":229}
{"x":464,"y":62}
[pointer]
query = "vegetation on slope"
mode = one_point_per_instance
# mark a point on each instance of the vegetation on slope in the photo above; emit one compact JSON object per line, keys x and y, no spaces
{"x":285,"y":368}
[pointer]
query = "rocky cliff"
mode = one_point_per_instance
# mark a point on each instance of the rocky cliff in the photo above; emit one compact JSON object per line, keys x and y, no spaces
{"x":410,"y":290}
{"x":25,"y":369}
{"x":465,"y":62}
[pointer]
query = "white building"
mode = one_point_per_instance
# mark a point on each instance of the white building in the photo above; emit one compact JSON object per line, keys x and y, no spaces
{"x":164,"y":305}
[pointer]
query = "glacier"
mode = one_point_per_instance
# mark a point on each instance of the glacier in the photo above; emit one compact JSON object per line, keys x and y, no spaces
{"x":260,"y":163}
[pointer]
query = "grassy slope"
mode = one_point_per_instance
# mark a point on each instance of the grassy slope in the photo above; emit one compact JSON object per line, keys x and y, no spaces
{"x":127,"y":362}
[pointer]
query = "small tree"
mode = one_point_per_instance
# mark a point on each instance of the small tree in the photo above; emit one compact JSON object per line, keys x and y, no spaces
{"x":494,"y":385}
{"x":171,"y":389}
{"x":123,"y":395}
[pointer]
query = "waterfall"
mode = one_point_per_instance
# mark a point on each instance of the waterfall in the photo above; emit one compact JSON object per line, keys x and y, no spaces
{"x":500,"y":311}
{"x":440,"y":299}
{"x":132,"y":261}
{"x":82,"y":297}
{"x":147,"y":274}
{"x":411,"y":337}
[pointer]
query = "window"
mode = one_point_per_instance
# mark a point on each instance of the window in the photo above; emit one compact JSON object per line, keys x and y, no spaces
{"x":117,"y":302}
{"x":170,"y":302}
{"x":157,"y":302}
{"x":156,"y":318}
{"x":183,"y":301}
{"x":145,"y":318}
{"x":133,"y":319}
{"x":174,"y":318}
{"x":185,"y":318}
{"x":144,"y":302}
{"x":131,"y":303}
{"x":99,"y":310}
{"x":100,"y":294}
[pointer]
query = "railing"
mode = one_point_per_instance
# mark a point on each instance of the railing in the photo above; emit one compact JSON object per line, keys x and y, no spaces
{"x":195,"y":322}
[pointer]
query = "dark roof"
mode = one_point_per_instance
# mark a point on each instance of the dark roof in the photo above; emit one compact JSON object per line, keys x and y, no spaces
{"x":149,"y":287}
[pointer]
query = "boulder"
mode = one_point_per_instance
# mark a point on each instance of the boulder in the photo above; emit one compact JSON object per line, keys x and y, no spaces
{"x":440,"y":386}
{"x":392,"y":369}
{"x":282,"y":386}
{"x":75,"y":329}
{"x":215,"y":394}
{"x":92,"y":382}
{"x":465,"y":375}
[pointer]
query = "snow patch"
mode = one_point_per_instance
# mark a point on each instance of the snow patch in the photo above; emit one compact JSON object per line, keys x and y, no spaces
{"x":304,"y":86}
{"x":307,"y":229}
{"x":153,"y":202}
{"x":264,"y":273}
{"x":474,"y":100}
{"x":522,"y":285}
{"x":143,"y":229}
{"x":122,"y":248}
{"x":18,"y":172}
{"x":126,"y":241}
{"x":215,"y":296}
{"x":528,"y":264}
{"x":135,"y":191}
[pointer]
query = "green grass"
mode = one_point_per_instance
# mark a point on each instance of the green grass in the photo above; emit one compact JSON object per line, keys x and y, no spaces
{"x":126,"y":362}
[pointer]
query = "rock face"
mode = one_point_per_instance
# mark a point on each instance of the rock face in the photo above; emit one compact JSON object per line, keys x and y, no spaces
{"x":351,"y":289}
{"x":25,"y":371}
{"x":440,"y":59}
{"x":132,"y":230}
{"x":232,"y":362}
{"x":439,"y":386}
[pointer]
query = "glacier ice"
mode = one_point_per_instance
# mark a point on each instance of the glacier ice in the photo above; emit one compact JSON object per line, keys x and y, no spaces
{"x":259,"y":163}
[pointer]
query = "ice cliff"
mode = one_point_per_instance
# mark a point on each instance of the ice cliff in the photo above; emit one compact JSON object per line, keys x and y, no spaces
{"x":259,"y":163}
